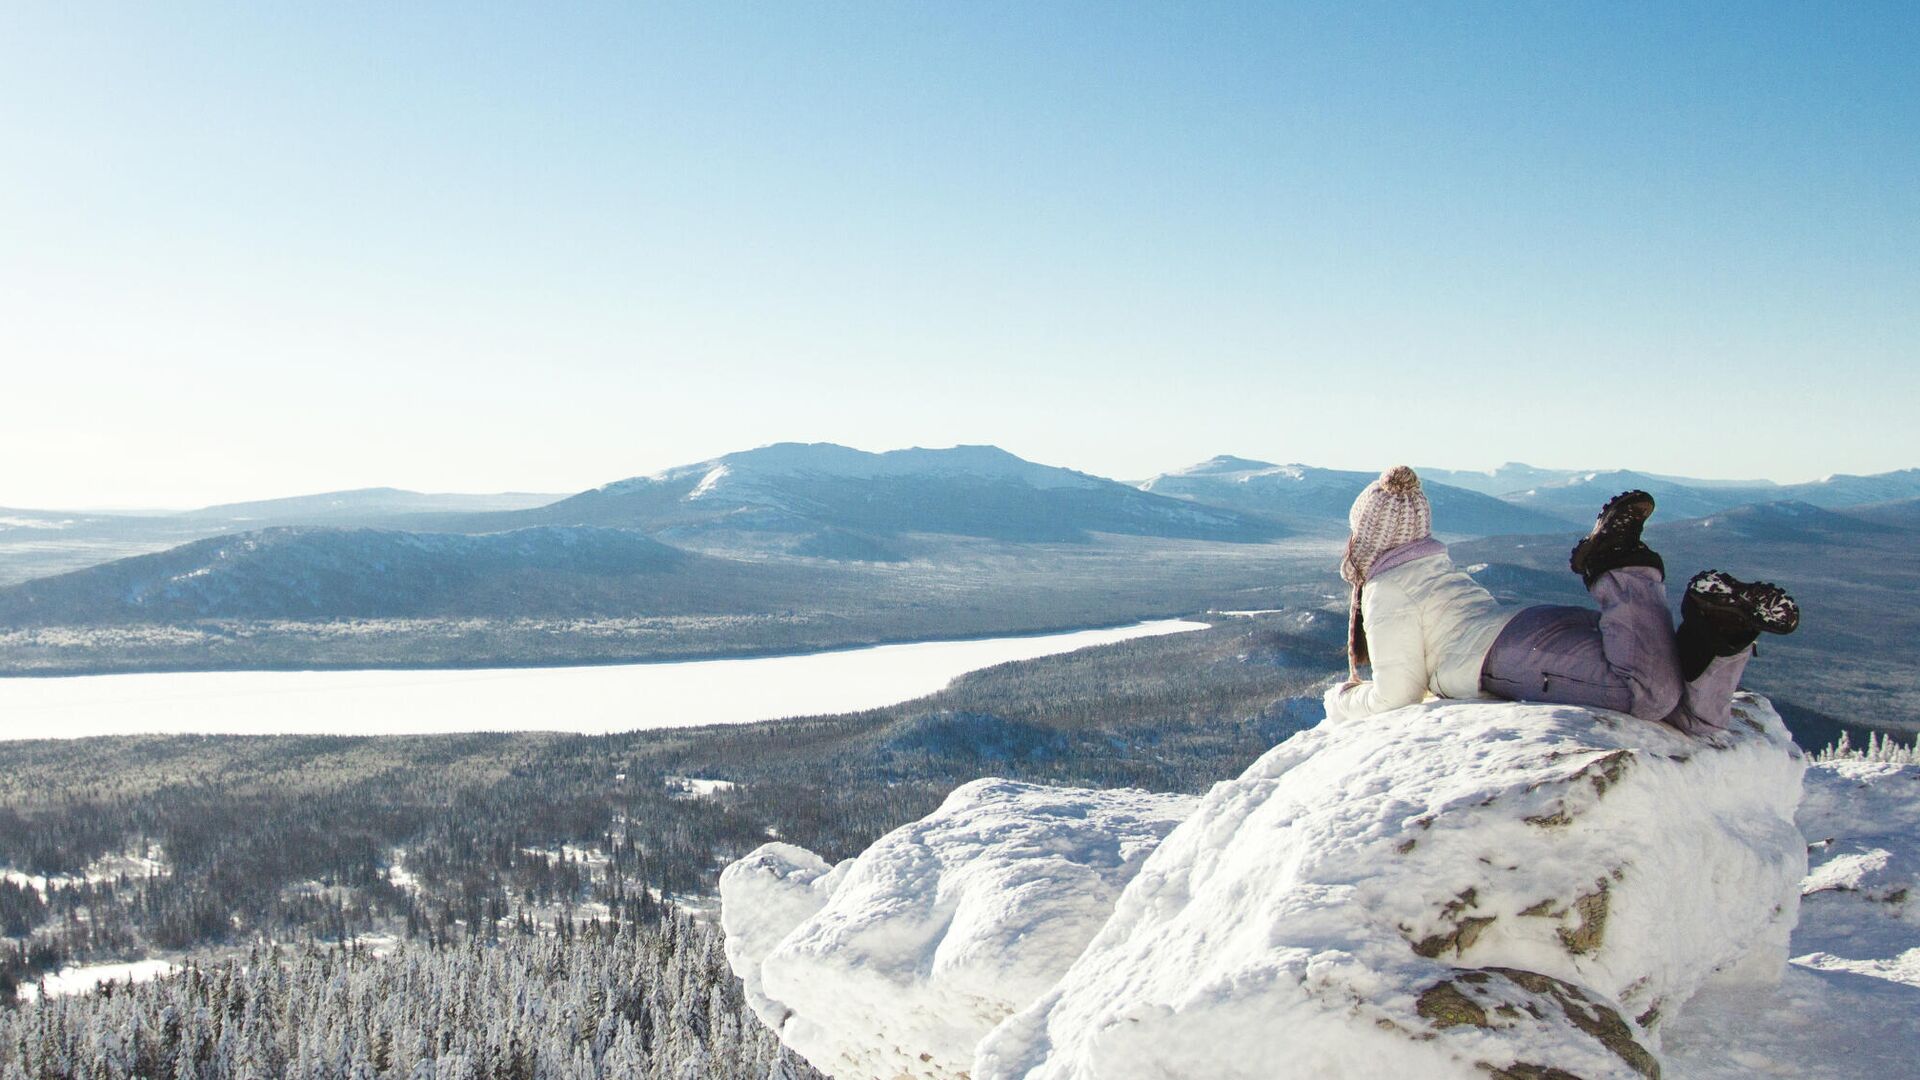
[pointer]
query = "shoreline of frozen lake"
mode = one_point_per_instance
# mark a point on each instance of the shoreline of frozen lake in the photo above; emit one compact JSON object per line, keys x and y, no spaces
{"x":594,"y":699}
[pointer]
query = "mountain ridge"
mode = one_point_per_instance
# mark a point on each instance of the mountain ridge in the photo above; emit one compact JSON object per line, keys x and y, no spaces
{"x":318,"y":572}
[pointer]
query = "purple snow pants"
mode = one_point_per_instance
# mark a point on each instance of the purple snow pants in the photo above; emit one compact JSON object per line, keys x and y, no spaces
{"x":1621,"y":657}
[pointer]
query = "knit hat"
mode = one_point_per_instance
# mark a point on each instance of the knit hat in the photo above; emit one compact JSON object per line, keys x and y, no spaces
{"x":1390,"y":512}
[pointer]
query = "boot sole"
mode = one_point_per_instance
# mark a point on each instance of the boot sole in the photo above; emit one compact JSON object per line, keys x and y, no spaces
{"x":1629,"y":509}
{"x":1764,"y":605}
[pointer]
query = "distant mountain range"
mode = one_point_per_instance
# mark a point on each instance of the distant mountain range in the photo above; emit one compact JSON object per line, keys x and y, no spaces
{"x":1298,"y":494}
{"x":824,"y":500}
{"x":1516,"y":477}
{"x":1583,"y":493}
{"x":327,"y":573}
{"x":775,"y":527}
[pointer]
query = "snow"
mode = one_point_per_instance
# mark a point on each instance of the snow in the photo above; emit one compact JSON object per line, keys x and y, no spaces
{"x":709,"y":482}
{"x":1443,"y":891}
{"x":79,"y":980}
{"x":694,"y":787}
{"x":151,"y":863}
{"x":1847,"y":1006}
{"x":399,"y":876}
{"x":593,"y":700}
{"x":763,"y":897}
{"x":897,"y":963}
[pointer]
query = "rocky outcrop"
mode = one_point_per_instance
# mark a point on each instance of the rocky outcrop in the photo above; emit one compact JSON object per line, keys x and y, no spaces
{"x":1457,"y":889}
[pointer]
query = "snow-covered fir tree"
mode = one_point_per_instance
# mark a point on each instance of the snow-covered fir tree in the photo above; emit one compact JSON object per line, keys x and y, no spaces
{"x":652,"y":1002}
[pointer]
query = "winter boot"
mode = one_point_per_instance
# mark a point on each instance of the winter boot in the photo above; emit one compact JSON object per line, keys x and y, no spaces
{"x":1615,"y":539}
{"x":1720,"y":615}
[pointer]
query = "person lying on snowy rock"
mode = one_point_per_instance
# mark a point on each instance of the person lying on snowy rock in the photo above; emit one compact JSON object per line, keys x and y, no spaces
{"x":1426,"y":627}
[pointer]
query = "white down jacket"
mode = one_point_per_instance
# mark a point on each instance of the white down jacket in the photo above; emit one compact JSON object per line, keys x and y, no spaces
{"x":1428,"y":628}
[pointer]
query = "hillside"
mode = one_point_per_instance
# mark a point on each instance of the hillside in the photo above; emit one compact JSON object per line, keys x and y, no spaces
{"x":323,"y":573}
{"x":1901,"y":513}
{"x":823,"y":499}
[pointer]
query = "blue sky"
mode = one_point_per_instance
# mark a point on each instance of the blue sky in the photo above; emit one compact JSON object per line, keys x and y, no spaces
{"x":254,"y":250}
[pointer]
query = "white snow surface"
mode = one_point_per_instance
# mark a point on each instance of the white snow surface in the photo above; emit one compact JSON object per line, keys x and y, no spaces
{"x":1442,"y":891}
{"x":79,"y":980}
{"x":1849,"y":1007}
{"x":762,"y":898}
{"x":895,"y":964}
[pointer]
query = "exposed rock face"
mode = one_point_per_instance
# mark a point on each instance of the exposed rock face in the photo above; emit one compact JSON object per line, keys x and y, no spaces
{"x":1457,"y":889}
{"x":897,"y":963}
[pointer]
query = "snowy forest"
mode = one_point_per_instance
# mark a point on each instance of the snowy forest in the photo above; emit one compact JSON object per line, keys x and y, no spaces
{"x":632,"y":1000}
{"x":288,"y":865}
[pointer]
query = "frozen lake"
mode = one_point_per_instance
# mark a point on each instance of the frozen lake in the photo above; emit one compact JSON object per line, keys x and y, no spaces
{"x":596,"y":699}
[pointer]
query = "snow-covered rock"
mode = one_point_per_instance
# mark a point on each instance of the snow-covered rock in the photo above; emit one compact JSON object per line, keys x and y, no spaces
{"x":764,"y":896}
{"x":1456,"y":889}
{"x":895,"y":964}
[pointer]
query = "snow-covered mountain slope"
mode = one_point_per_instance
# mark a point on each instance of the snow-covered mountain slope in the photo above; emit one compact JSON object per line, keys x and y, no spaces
{"x":315,"y":572}
{"x":1900,"y":513}
{"x":1844,"y":490}
{"x":1791,"y":522}
{"x":1458,"y":889}
{"x":840,"y":502}
{"x":898,"y":962}
{"x":736,"y":475}
{"x":1304,"y":494}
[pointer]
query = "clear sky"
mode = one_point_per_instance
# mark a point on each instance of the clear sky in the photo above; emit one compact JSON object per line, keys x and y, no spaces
{"x":266,"y":249}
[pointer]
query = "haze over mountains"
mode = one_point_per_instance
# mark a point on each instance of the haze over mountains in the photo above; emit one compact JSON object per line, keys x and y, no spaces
{"x":813,"y":545}
{"x":36,"y":543}
{"x":361,"y":503}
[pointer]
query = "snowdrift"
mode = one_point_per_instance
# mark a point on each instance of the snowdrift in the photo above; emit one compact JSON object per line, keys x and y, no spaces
{"x":1862,"y":823}
{"x":898,"y":962}
{"x":1456,"y":889}
{"x":1846,"y":1009}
